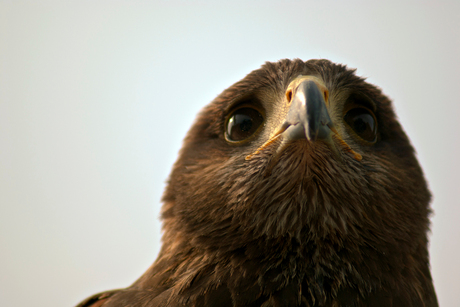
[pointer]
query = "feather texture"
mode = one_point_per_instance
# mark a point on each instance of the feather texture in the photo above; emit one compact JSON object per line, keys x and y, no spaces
{"x":316,"y":230}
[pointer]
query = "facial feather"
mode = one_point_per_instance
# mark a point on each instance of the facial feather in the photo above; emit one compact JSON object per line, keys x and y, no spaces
{"x":296,"y":225}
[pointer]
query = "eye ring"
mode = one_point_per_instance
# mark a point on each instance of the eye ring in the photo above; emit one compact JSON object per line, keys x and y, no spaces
{"x":243,"y":123}
{"x":363,"y":123}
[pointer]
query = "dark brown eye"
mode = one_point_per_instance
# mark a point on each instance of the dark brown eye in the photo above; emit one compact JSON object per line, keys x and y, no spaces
{"x":243,"y":123}
{"x":363,"y":122}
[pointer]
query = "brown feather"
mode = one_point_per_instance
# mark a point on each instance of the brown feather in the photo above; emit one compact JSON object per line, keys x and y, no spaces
{"x":317,"y":231}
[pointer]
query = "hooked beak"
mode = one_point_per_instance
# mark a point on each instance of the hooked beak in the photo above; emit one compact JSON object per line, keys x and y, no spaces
{"x":307,"y":118}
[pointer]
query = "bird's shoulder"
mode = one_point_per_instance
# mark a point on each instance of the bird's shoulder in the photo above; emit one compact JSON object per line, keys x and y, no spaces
{"x":97,"y":299}
{"x":127,"y":297}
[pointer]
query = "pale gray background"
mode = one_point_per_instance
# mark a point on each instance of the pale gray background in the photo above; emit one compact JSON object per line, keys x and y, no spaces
{"x":96,"y":96}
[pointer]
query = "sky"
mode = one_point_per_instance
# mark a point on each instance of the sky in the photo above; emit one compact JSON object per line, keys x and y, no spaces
{"x":96,"y":97}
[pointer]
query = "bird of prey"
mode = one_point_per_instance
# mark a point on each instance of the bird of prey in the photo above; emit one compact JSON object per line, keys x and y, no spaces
{"x":296,"y":186}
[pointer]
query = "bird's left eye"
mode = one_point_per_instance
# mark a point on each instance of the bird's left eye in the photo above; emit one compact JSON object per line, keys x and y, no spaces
{"x":243,"y":123}
{"x":363,"y":122}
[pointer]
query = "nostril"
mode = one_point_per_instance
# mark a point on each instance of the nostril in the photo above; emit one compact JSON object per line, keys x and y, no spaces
{"x":326,"y":96}
{"x":289,"y":96}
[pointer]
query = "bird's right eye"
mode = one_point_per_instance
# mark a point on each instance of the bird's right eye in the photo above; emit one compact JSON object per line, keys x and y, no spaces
{"x":363,"y":122}
{"x":243,"y":123}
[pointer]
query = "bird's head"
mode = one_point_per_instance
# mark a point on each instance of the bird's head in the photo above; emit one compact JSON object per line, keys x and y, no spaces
{"x":304,"y":150}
